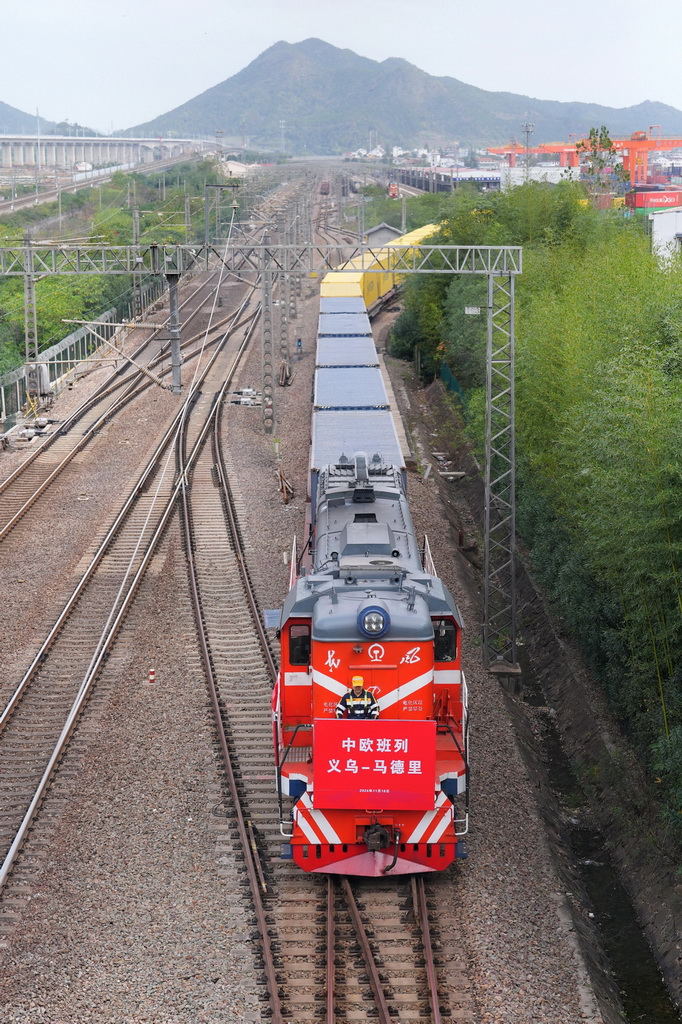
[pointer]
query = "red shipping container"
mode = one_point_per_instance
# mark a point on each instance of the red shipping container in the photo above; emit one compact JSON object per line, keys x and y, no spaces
{"x":374,"y":765}
{"x":647,"y":200}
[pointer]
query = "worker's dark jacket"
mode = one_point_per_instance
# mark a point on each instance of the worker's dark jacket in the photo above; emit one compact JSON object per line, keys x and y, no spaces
{"x":364,"y":706}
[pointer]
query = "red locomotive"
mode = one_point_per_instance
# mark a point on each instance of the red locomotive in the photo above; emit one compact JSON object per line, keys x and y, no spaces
{"x":385,"y":794}
{"x":369,"y":631}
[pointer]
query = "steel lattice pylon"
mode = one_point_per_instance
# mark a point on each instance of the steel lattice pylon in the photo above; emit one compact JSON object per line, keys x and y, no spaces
{"x":499,"y":614}
{"x":267,"y":355}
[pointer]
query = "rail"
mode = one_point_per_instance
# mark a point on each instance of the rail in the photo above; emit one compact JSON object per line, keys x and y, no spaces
{"x":115,"y":379}
{"x":132,"y":386}
{"x":422,"y":915}
{"x":249,"y":850}
{"x":383,"y":1012}
{"x":107,"y":637}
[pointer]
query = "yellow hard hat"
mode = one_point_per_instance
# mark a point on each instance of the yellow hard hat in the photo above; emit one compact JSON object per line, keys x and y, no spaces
{"x":357,"y":681}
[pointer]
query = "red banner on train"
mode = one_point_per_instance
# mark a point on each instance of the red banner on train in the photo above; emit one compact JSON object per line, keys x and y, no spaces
{"x":374,"y":764}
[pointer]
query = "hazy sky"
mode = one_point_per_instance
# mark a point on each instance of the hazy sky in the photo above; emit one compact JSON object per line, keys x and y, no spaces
{"x":117,"y":63}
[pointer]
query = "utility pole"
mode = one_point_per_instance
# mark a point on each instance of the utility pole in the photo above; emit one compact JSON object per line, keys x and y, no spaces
{"x":206,"y":231}
{"x":219,"y":132}
{"x":39,"y":160}
{"x":31,"y":328}
{"x":527,"y":128}
{"x":233,"y":185}
{"x":137,"y":278}
{"x":174,"y":331}
{"x":188,"y":218}
{"x":282,"y":125}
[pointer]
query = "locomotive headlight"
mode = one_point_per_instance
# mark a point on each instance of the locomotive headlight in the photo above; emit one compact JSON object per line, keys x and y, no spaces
{"x":373,"y":622}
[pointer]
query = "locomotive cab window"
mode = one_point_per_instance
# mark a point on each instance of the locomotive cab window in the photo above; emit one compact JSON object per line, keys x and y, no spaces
{"x":299,"y":644}
{"x":445,"y":640}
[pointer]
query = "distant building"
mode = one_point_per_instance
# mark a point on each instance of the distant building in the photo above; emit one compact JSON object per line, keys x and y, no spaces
{"x":234,"y":169}
{"x":552,"y":173}
{"x":381,"y":234}
{"x":666,"y":233}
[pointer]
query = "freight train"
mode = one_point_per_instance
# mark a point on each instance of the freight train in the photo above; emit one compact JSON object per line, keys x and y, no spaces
{"x":386,"y":794}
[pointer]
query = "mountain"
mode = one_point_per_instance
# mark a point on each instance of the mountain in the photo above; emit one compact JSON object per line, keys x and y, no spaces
{"x":331,"y":99}
{"x":16,"y":122}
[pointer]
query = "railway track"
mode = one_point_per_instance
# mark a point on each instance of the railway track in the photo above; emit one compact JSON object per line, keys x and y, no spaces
{"x":353,"y":951}
{"x":394,"y":967}
{"x":22,"y":488}
{"x":50,"y":457}
{"x":40,"y":718}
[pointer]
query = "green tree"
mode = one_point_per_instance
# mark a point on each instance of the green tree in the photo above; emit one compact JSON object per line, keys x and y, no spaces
{"x":598,"y":413}
{"x":601,"y":154}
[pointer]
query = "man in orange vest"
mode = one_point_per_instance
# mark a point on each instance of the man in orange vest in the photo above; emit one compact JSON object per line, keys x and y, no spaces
{"x":358,"y":702}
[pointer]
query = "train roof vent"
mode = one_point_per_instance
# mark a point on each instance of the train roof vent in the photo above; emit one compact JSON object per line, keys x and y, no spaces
{"x":366,"y":539}
{"x":365,"y":517}
{"x":363,"y":494}
{"x":360,"y":460}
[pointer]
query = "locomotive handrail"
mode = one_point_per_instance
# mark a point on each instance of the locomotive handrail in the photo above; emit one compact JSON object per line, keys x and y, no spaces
{"x":305,"y":548}
{"x":293,"y":564}
{"x":427,"y":557}
{"x":444,"y":726}
{"x":464,"y":755}
{"x":278,"y":771}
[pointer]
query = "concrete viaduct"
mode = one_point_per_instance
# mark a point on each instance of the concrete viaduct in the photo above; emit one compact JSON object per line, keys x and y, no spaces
{"x":63,"y":152}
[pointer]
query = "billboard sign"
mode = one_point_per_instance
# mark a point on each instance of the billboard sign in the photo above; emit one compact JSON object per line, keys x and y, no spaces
{"x":374,"y":765}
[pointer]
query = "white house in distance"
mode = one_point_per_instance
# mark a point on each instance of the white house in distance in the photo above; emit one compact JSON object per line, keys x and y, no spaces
{"x":665,"y":227}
